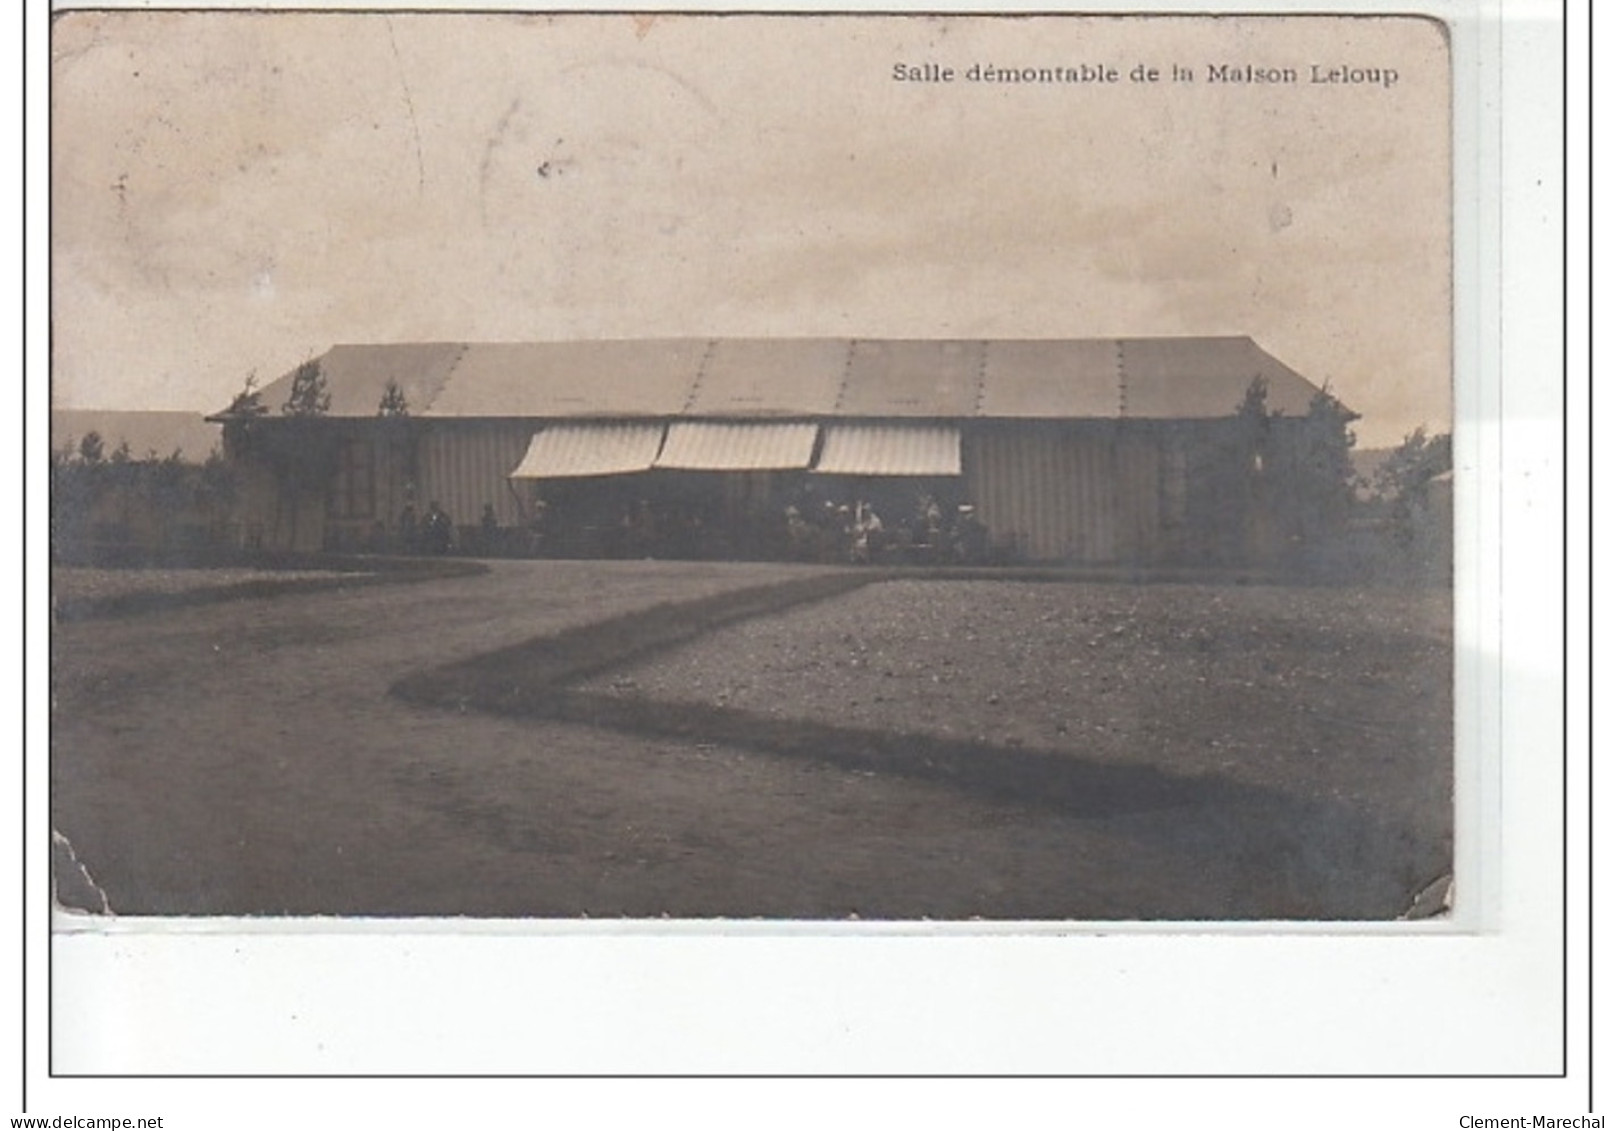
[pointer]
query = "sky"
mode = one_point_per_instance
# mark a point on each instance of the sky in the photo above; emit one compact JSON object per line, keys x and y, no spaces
{"x":233,"y":193}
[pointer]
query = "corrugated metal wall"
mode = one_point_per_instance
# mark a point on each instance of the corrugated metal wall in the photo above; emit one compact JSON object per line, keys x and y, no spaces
{"x":1078,"y":493}
{"x":464,"y":466}
{"x":270,"y":511}
{"x":1081,"y":491}
{"x":1138,"y":495}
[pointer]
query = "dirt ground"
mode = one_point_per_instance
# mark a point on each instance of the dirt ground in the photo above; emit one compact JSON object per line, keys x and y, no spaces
{"x":246,"y":757}
{"x":83,"y":583}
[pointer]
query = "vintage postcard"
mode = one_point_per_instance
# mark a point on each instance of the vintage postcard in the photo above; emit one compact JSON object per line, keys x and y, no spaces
{"x":714,"y":467}
{"x":992,"y":472}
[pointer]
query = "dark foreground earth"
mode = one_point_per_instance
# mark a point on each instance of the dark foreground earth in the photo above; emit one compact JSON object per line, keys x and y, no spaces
{"x":565,"y":739}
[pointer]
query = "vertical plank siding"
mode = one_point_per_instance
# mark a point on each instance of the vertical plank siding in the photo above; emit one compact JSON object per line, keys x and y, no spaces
{"x":1138,"y":494}
{"x":1079,"y":491}
{"x":464,"y":466}
{"x":1071,"y":492}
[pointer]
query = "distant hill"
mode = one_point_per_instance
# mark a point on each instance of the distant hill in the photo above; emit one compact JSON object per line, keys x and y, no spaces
{"x":1365,"y":462}
{"x":148,"y":434}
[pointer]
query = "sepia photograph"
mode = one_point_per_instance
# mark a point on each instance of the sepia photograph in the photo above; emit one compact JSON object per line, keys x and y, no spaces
{"x":945,"y":469}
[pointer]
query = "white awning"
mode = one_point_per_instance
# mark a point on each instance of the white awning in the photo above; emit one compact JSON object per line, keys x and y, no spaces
{"x":890,"y":449}
{"x":572,"y":451}
{"x":695,"y":445}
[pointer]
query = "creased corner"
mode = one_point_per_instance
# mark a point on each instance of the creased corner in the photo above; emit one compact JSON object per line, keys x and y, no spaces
{"x":72,"y":886}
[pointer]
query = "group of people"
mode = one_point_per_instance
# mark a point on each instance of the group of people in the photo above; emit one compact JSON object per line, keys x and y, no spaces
{"x":814,"y":529}
{"x":432,"y":535}
{"x":855,"y":533}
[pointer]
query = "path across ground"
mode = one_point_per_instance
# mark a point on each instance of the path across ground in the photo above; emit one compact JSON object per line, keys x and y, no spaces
{"x":246,"y":758}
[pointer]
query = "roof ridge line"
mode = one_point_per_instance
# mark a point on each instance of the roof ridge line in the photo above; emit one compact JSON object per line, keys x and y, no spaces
{"x":700,"y":374}
{"x":981,"y":376}
{"x":1121,"y":377}
{"x":461,"y":349}
{"x":846,"y":376}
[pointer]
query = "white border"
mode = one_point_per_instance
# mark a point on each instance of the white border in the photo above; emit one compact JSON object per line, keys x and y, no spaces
{"x":418,"y":999}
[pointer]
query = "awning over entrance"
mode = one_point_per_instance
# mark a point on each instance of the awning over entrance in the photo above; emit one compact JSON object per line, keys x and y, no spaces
{"x":890,"y":449}
{"x":695,"y":445}
{"x":572,"y":451}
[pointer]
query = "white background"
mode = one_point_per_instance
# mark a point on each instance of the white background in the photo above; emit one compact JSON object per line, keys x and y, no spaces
{"x":1485,"y":1000}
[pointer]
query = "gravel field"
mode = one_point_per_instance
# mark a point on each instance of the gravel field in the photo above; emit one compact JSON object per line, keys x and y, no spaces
{"x":1320,"y":693}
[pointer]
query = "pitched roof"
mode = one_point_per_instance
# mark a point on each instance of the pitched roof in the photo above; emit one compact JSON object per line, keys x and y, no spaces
{"x":1199,"y":377}
{"x":357,"y":376}
{"x":1146,"y":378}
{"x":644,"y":378}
